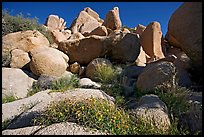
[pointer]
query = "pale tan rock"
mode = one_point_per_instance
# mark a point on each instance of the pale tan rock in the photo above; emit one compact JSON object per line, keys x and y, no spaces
{"x":77,"y":36}
{"x":142,"y":58}
{"x":58,"y":36}
{"x":24,"y":40}
{"x":75,"y":67}
{"x":84,"y":23}
{"x":53,"y":22}
{"x":157,"y":75}
{"x":100,"y":31}
{"x":150,"y":40}
{"x":43,"y":62}
{"x":84,"y":50}
{"x":112,"y":20}
{"x":140,"y":29}
{"x":15,"y":83}
{"x":185,"y":30}
{"x":19,"y":58}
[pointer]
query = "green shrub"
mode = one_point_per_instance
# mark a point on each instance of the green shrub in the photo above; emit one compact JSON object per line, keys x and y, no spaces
{"x":17,"y":23}
{"x":34,"y":89}
{"x":6,"y":58}
{"x":96,"y":114}
{"x":105,"y":74}
{"x":116,"y":91}
{"x":64,"y":84}
{"x":5,"y":124}
{"x":7,"y":99}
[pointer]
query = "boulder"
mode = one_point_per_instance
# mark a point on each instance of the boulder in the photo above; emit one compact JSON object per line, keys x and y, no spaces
{"x":100,"y":31}
{"x":88,"y":83}
{"x":142,"y":58}
{"x":85,"y":22}
{"x":128,"y":77}
{"x":43,"y":62}
{"x":157,"y":75}
{"x":59,"y":36}
{"x":75,"y":67}
{"x":151,"y":41}
{"x":92,"y":66}
{"x":19,"y":58}
{"x":112,"y":20}
{"x":54,"y":129}
{"x":77,"y":36}
{"x":140,"y":29}
{"x":185,"y":30}
{"x":53,"y":22}
{"x":152,"y":110}
{"x":84,"y":50}
{"x":124,"y":47}
{"x":26,"y":109}
{"x":24,"y":40}
{"x":15,"y":83}
{"x":93,"y":14}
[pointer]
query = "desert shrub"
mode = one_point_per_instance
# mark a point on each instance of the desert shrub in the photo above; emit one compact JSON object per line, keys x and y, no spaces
{"x":8,"y":98}
{"x":106,"y":74}
{"x":5,"y":124}
{"x":17,"y":23}
{"x":6,"y":58}
{"x":59,"y":85}
{"x":34,"y":89}
{"x":96,"y":114}
{"x":64,"y":84}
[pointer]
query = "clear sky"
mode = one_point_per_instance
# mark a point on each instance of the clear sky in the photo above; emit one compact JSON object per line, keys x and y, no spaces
{"x":131,"y":13}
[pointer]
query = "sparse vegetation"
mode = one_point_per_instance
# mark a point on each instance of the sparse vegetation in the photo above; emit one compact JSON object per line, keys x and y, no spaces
{"x":64,"y":84}
{"x":106,"y":74}
{"x":8,"y":98}
{"x":59,"y":85}
{"x":5,"y":124}
{"x":17,"y":23}
{"x":97,"y":114}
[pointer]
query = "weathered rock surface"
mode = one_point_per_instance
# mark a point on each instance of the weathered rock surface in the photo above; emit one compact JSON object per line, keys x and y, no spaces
{"x":88,"y":83}
{"x":54,"y":129}
{"x":112,"y":20}
{"x":75,"y":67}
{"x":151,"y":41}
{"x":77,"y":36}
{"x":140,"y":29}
{"x":19,"y":58}
{"x":85,"y":22}
{"x":157,"y":74}
{"x":43,"y":62}
{"x":152,"y":109}
{"x":54,"y":22}
{"x":26,"y":109}
{"x":24,"y":40}
{"x":124,"y":47}
{"x":142,"y":58}
{"x":185,"y":30}
{"x":59,"y":36}
{"x":83,"y":51}
{"x":100,"y":31}
{"x":15,"y":82}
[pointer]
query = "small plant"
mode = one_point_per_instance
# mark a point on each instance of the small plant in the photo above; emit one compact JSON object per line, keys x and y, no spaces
{"x":64,"y":84}
{"x":5,"y":124}
{"x":7,"y":99}
{"x":116,"y":91}
{"x":105,"y":74}
{"x":34,"y":89}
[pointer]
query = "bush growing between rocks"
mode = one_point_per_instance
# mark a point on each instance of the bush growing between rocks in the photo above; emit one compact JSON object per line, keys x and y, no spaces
{"x":7,"y":99}
{"x":17,"y":23}
{"x":59,"y":85}
{"x":106,"y":74}
{"x":101,"y":115}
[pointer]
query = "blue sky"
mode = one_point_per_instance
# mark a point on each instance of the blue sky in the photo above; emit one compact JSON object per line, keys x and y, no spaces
{"x":131,"y":13}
